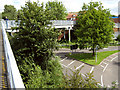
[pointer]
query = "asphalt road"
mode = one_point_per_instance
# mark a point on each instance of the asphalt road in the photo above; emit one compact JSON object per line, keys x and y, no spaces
{"x":104,"y":73}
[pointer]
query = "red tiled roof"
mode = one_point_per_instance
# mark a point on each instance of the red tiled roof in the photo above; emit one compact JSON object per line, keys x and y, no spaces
{"x":116,"y":20}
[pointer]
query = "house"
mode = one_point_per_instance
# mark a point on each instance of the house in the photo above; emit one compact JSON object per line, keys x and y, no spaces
{"x":72,"y":16}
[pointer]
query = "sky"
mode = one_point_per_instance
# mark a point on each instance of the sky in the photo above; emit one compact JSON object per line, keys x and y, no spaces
{"x":70,"y":5}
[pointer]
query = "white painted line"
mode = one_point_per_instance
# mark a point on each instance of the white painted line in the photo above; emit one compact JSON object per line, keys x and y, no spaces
{"x":101,"y":62}
{"x":105,"y":68}
{"x":91,"y":69}
{"x":110,"y":56}
{"x":70,"y":63}
{"x":83,"y":75}
{"x":63,"y":59}
{"x":79,"y":66}
{"x":64,"y":65}
{"x":99,"y":84}
{"x":113,"y":58}
{"x":102,"y":66}
{"x":102,"y":80}
{"x":104,"y":63}
{"x":108,"y":86}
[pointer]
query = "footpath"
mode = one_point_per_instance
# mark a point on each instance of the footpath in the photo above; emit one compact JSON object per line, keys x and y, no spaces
{"x":3,"y":73}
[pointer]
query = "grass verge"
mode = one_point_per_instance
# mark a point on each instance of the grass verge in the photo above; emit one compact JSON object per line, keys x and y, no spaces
{"x":89,"y":59}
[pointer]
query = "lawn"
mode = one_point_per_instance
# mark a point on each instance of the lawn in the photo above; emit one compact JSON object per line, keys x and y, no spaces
{"x":89,"y":59}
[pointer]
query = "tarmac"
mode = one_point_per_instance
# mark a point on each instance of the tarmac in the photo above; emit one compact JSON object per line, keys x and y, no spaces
{"x":104,"y":73}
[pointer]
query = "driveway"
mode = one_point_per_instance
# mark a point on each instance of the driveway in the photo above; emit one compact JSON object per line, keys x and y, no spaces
{"x":104,"y":73}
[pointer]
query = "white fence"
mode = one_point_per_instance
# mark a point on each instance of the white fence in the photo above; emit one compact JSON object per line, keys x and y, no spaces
{"x":12,"y":69}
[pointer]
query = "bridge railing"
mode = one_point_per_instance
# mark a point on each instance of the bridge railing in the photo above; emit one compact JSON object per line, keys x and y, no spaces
{"x":11,"y":23}
{"x":14,"y":76}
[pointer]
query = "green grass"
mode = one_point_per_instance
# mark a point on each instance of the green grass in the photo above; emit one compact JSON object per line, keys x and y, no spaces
{"x":90,"y":59}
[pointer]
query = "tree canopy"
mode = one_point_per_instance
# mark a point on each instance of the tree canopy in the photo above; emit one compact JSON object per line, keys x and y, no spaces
{"x":94,"y":26}
{"x":56,"y":9}
{"x":35,"y":38}
{"x":9,"y":12}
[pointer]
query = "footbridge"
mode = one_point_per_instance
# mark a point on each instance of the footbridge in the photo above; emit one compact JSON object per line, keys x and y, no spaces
{"x":64,"y":25}
{"x":9,"y":73}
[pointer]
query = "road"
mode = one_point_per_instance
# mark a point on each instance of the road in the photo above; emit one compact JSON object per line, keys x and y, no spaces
{"x":104,"y":73}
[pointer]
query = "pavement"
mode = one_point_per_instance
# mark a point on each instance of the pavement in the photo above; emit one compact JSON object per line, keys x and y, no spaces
{"x":104,"y":73}
{"x":3,"y":72}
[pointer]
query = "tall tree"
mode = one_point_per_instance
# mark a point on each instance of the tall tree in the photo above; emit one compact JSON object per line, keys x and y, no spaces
{"x":9,"y":12}
{"x":35,"y":38}
{"x":94,"y":26}
{"x":55,"y":9}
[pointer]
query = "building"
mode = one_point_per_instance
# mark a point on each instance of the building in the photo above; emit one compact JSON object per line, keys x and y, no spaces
{"x":72,"y":16}
{"x":116,"y":27}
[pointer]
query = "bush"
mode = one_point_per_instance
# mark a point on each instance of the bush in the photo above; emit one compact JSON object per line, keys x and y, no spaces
{"x":50,"y":78}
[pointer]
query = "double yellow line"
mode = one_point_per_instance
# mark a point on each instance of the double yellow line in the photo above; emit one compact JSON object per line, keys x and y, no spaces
{"x":3,"y":73}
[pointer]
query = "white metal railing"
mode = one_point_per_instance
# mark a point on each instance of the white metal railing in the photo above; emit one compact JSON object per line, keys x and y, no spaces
{"x":11,"y":23}
{"x":62,"y":22}
{"x":12,"y":69}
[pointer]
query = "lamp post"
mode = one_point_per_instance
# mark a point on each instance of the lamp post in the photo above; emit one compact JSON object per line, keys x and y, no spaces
{"x":96,"y":53}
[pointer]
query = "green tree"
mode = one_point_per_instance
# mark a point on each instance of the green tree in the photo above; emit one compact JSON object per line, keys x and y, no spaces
{"x":35,"y":38}
{"x":94,"y":26}
{"x":118,"y":38}
{"x":55,"y":10}
{"x":10,"y":12}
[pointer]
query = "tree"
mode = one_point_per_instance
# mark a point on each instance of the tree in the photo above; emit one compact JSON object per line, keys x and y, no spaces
{"x":56,"y":10}
{"x":9,"y":11}
{"x":94,"y":26}
{"x":118,"y":38}
{"x":35,"y":38}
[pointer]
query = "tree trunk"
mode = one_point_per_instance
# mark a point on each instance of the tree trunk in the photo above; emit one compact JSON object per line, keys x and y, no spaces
{"x":93,"y":50}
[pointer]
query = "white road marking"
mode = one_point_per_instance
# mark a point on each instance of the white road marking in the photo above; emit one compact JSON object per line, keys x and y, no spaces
{"x":79,"y":66}
{"x":102,"y":66}
{"x":83,"y":74}
{"x":104,"y":63}
{"x":108,"y":86}
{"x":63,"y":59}
{"x":70,"y":63}
{"x":110,"y":56}
{"x":105,"y":68}
{"x":105,"y":48}
{"x":63,"y":65}
{"x":102,"y":80}
{"x":113,"y":58}
{"x":91,"y":69}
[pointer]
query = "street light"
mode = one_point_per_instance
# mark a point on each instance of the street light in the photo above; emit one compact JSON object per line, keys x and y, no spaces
{"x":96,"y":52}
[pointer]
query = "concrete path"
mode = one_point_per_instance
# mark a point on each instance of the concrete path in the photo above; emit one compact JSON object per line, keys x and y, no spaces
{"x":103,"y":72}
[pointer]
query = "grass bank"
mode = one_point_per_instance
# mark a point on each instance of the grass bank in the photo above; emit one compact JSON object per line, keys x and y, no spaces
{"x":89,"y":59}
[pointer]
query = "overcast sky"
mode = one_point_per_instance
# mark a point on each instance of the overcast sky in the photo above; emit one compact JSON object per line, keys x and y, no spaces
{"x":71,"y":5}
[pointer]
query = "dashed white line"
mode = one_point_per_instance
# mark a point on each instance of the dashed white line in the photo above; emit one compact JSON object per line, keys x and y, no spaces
{"x":102,"y":80}
{"x":91,"y":69}
{"x":70,"y":63}
{"x":113,"y":58}
{"x":63,"y":59}
{"x":105,"y":68}
{"x":79,"y":66}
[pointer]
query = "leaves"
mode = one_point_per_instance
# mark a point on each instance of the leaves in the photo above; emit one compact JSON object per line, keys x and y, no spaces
{"x":94,"y":26}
